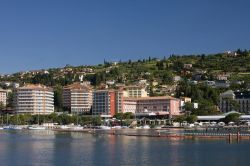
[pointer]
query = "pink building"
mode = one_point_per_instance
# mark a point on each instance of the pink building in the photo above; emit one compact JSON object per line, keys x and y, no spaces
{"x":162,"y":105}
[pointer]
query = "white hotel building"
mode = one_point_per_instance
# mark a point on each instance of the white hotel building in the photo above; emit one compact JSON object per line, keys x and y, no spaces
{"x":77,"y":98}
{"x":34,"y":99}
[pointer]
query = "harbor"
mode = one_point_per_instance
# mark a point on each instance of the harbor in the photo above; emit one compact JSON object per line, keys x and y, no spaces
{"x":236,"y":133}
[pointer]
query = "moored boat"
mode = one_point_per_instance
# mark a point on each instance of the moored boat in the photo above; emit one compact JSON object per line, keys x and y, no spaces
{"x":15,"y":127}
{"x":6,"y":127}
{"x":36,"y":128}
{"x":146,"y":127}
{"x":117,"y":127}
{"x":64,"y":127}
{"x":105,"y":127}
{"x":76,"y":128}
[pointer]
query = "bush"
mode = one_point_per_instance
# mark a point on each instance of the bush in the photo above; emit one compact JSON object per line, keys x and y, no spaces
{"x":233,"y":117}
{"x":191,"y":119}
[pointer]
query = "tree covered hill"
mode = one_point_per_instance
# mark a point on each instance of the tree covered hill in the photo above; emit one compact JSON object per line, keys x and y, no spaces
{"x":163,"y":72}
{"x":151,"y":69}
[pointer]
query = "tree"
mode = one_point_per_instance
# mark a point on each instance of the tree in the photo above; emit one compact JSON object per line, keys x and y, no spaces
{"x":127,"y":115}
{"x":97,"y":121}
{"x":53,"y":118}
{"x":189,"y":107}
{"x":178,"y":65}
{"x":234,"y":105}
{"x":206,"y":107}
{"x":167,"y":77}
{"x":191,"y":118}
{"x":118,"y":116}
{"x":58,"y":98}
{"x":180,"y":119}
{"x":149,"y":58}
{"x":121,"y":116}
{"x":233,"y":117}
{"x":2,"y":107}
{"x":10,"y":100}
{"x":66,"y":119}
{"x":160,"y":65}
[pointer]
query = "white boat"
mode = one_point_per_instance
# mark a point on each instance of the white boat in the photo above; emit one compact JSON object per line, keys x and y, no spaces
{"x":1,"y":128}
{"x":76,"y":128}
{"x":221,"y":124}
{"x":64,"y":127}
{"x":138,"y":127}
{"x":117,"y":127}
{"x":6,"y":127}
{"x":105,"y":127}
{"x":146,"y":127}
{"x":12,"y":127}
{"x":15,"y":127}
{"x":158,"y":127}
{"x":36,"y":128}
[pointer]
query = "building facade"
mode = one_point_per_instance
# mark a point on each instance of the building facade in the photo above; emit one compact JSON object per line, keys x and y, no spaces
{"x":107,"y":102}
{"x":235,"y":101}
{"x":3,"y":97}
{"x":163,"y":105}
{"x":119,"y":101}
{"x":135,"y":91}
{"x":130,"y":105}
{"x":77,"y":98}
{"x":34,"y":99}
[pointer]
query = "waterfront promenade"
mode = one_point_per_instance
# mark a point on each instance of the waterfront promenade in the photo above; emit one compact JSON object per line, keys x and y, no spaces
{"x":232,"y":133}
{"x":219,"y":132}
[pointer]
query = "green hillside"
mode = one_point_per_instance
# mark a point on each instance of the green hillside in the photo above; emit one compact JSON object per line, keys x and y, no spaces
{"x":162,"y":71}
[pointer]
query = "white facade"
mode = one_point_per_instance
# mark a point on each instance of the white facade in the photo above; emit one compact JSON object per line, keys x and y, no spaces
{"x":34,"y":99}
{"x":119,"y":102}
{"x":81,"y":101}
{"x":130,"y":105}
{"x":3,"y":97}
{"x":78,"y":98}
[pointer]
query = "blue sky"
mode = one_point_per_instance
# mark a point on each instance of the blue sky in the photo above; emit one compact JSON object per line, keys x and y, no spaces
{"x":37,"y":34}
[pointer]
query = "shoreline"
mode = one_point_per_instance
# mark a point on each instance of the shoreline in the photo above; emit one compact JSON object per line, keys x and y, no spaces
{"x":169,"y":133}
{"x":155,"y":133}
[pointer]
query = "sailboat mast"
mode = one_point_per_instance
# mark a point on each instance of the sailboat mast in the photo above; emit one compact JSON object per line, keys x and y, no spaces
{"x":7,"y":119}
{"x":77,"y":117}
{"x":38,"y":118}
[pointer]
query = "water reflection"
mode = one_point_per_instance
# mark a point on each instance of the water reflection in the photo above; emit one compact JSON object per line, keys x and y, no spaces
{"x":23,"y":148}
{"x":56,"y":148}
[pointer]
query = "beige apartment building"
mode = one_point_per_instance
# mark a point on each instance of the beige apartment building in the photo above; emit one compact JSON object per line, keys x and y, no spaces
{"x":3,"y":97}
{"x":34,"y":99}
{"x":77,"y":98}
{"x":135,"y":91}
